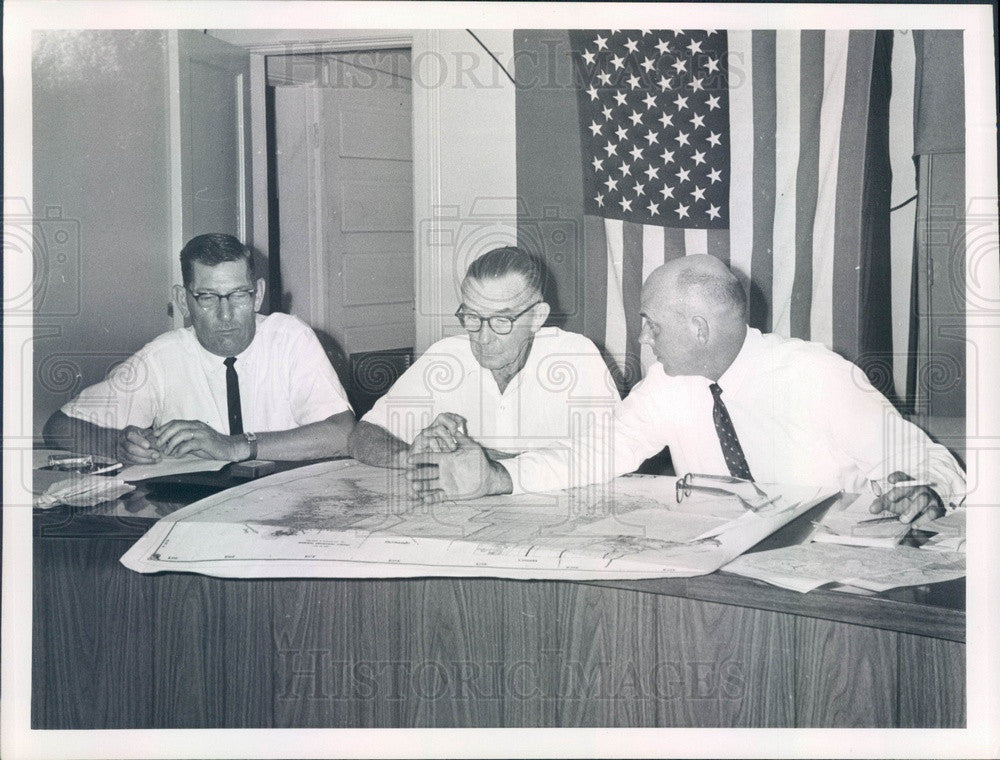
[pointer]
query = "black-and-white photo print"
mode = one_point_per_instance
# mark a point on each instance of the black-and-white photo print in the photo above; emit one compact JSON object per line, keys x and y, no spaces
{"x":499,"y":380}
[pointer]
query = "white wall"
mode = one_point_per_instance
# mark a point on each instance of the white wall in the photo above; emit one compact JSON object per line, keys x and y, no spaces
{"x":464,"y":153}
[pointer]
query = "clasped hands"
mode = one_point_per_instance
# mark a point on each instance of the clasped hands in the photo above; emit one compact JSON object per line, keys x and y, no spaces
{"x":177,"y":438}
{"x":444,"y":463}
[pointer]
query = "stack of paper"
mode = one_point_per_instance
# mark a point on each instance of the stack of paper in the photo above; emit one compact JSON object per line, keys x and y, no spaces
{"x":807,"y":566}
{"x":851,"y":522}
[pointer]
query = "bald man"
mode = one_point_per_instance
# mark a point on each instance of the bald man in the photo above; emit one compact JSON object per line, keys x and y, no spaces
{"x":728,"y":400}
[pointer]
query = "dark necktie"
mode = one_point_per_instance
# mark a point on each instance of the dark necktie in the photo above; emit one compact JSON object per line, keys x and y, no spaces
{"x":233,"y":397}
{"x":731,"y":448}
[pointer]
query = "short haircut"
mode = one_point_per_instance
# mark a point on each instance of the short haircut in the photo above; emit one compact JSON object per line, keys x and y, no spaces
{"x":507,"y":260}
{"x":213,"y":249}
{"x":719,"y":289}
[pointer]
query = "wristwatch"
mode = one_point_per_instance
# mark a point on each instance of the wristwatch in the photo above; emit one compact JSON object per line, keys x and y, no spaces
{"x":252,"y":440}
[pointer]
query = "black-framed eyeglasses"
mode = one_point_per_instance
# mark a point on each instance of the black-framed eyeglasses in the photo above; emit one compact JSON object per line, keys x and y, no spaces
{"x":237,"y":299}
{"x":501,"y":324}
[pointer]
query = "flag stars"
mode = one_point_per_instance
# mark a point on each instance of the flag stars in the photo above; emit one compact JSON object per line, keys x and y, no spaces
{"x":599,"y":200}
{"x":618,"y":62}
{"x":715,"y":176}
{"x":652,"y":172}
{"x":667,"y":156}
{"x":636,"y":152}
{"x":592,"y":92}
{"x":712,"y":102}
{"x":588,"y":57}
{"x":595,"y":129}
{"x":649,"y":100}
{"x":684,"y":175}
{"x":605,"y":78}
{"x":648,"y":64}
{"x":664,"y":83}
{"x":598,"y":164}
{"x":697,"y":121}
{"x":640,"y":189}
{"x":713,"y":65}
{"x":654,"y":208}
{"x":626,"y":204}
{"x":611,"y":148}
{"x":694,"y":47}
{"x":713,"y":211}
{"x":607,"y":113}
{"x":612,"y":184}
{"x":681,"y":102}
{"x":682,"y":138}
{"x":652,"y":137}
{"x":679,"y":66}
{"x":635,"y":117}
{"x":713,"y":138}
{"x":666,"y":119}
{"x":682,"y":211}
{"x":696,"y":85}
{"x":633,"y":82}
{"x":632,"y":45}
{"x":621,"y":132}
{"x":621,"y":97}
{"x":625,"y":168}
{"x":662,"y":47}
{"x":667,"y":191}
{"x":698,"y":193}
{"x":601,"y":42}
{"x":698,"y":157}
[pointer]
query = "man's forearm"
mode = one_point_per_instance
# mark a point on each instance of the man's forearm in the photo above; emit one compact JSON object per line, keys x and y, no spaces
{"x":375,"y":445}
{"x":64,"y":432}
{"x":317,"y":440}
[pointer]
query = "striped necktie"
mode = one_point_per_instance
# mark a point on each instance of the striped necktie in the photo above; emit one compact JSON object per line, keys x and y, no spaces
{"x":731,"y":448}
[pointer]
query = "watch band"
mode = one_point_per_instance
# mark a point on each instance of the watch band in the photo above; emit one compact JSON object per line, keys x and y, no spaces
{"x":252,"y":440}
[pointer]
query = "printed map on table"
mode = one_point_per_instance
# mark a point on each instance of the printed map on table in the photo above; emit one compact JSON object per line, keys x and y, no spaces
{"x":344,"y":519}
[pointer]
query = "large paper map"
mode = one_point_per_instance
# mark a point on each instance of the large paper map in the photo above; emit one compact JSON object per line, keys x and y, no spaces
{"x":344,"y":519}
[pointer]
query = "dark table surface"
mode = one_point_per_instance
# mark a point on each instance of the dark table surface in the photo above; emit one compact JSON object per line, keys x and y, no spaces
{"x":936,"y":610}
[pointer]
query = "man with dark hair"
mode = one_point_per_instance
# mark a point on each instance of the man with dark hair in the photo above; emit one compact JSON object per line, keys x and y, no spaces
{"x":727,"y":400}
{"x":234,"y":385}
{"x":508,"y":382}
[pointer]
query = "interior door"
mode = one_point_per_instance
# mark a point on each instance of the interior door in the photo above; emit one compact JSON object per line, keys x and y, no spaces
{"x":345,"y":195}
{"x":211,"y":150}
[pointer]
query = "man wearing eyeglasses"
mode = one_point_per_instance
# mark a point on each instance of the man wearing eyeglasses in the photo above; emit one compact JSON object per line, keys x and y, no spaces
{"x":234,"y":385}
{"x":508,"y":383}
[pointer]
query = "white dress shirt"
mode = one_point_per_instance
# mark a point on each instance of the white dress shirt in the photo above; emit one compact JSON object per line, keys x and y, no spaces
{"x":802,"y":414}
{"x":563,"y":378}
{"x":285,"y":378}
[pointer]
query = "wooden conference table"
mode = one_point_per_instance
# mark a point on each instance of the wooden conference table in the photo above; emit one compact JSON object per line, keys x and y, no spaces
{"x":116,"y":649}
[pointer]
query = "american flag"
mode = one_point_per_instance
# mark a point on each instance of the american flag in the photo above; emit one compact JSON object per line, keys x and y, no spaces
{"x":759,"y":147}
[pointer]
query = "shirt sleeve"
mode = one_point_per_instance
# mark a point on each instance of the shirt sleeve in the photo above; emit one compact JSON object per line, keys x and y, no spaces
{"x":316,"y":392}
{"x":863,"y":423}
{"x":611,"y":444}
{"x":129,"y":395}
{"x":409,"y":405}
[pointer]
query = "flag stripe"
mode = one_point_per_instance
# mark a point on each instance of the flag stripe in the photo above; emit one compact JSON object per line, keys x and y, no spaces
{"x":615,"y":331}
{"x":741,"y":155}
{"x":786,"y":163}
{"x":849,"y":242}
{"x":596,"y":278}
{"x":807,"y":181}
{"x":718,"y":244}
{"x":673,"y":243}
{"x":632,"y":238}
{"x":765,"y":127}
{"x":695,"y":242}
{"x":824,"y":228}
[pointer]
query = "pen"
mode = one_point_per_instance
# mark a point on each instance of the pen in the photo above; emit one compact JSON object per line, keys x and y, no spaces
{"x":877,"y":520}
{"x":881,"y":489}
{"x":110,"y":468}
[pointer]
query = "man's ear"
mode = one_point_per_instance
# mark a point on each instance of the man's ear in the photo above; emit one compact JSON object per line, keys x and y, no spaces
{"x":180,"y":300}
{"x":538,"y":316}
{"x":261,"y":287}
{"x":699,"y":327}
